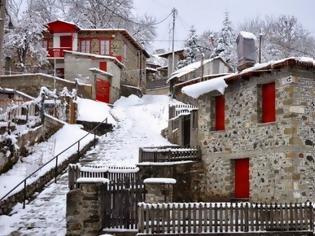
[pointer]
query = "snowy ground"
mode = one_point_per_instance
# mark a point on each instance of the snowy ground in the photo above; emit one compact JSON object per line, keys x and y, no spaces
{"x":140,"y":124}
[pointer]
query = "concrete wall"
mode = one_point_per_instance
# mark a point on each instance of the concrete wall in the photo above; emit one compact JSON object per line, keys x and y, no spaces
{"x":31,"y":84}
{"x":281,"y":153}
{"x":77,"y":66}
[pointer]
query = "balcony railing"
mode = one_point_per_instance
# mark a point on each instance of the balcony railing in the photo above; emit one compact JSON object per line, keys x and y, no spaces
{"x":57,"y":52}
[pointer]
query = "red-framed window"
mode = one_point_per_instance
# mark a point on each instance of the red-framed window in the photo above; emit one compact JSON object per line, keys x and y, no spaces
{"x":268,"y":108}
{"x":105,"y":46}
{"x":103,"y":65}
{"x":85,"y":45}
{"x":219,"y":113}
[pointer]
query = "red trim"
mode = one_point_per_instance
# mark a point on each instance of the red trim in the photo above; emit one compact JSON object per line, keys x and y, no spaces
{"x":62,"y":27}
{"x":219,"y":112}
{"x":268,"y":102}
{"x":241,"y":178}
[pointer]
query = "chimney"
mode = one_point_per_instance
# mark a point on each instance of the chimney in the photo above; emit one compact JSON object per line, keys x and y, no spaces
{"x":246,"y":50}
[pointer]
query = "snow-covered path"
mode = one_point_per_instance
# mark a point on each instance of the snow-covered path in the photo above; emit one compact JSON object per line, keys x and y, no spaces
{"x":140,"y":124}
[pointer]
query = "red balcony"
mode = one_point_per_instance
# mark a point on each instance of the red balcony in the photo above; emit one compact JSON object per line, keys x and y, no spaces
{"x":57,"y":52}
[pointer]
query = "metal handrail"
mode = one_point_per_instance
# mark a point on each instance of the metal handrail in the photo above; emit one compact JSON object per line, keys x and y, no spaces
{"x":54,"y":158}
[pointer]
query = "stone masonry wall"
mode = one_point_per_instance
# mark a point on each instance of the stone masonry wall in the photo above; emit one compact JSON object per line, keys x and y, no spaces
{"x":277,"y":171}
{"x":31,"y":84}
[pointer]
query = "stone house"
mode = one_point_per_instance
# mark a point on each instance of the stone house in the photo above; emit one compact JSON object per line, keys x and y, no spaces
{"x":199,"y":69}
{"x":101,"y":71}
{"x":61,"y":36}
{"x":257,"y":139}
{"x":178,"y":55}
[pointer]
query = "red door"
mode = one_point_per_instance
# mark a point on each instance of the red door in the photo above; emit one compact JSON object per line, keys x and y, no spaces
{"x":102,"y":90}
{"x":268,"y":103}
{"x":219,"y":113}
{"x":242,"y":178}
{"x":66,"y":42}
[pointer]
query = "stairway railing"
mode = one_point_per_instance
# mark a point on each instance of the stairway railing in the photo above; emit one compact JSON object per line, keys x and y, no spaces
{"x":55,"y":158}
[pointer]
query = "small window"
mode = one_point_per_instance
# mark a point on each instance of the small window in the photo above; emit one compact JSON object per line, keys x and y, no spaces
{"x":45,"y":44}
{"x":104,"y":47}
{"x":85,"y":46}
{"x":125,"y":51}
{"x":219,"y":110}
{"x":268,"y":103}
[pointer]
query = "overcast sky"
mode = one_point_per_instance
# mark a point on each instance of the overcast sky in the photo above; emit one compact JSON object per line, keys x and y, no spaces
{"x":208,"y":14}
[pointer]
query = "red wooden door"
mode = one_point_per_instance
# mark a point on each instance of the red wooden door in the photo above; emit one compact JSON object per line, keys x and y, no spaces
{"x":102,"y":90}
{"x":242,"y":178}
{"x":268,"y":103}
{"x":219,"y":113}
{"x":66,"y":42}
{"x":103,"y":66}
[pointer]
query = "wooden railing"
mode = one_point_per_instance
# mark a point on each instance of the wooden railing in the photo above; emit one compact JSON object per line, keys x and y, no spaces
{"x":181,"y":109}
{"x":57,"y":52}
{"x":168,"y":154}
{"x":211,"y":218}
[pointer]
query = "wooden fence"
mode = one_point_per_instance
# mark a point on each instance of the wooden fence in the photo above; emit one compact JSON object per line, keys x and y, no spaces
{"x":169,"y":154}
{"x":212,"y":218}
{"x":114,"y":174}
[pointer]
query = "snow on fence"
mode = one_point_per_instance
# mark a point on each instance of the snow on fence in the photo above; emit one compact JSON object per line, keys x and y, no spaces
{"x":182,"y":109}
{"x":19,"y":111}
{"x":113,"y":173}
{"x":200,"y":218}
{"x":168,"y":154}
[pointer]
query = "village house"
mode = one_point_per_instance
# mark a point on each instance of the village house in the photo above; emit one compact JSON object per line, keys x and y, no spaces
{"x":212,"y":66}
{"x":64,"y":37}
{"x":178,"y":55}
{"x":257,"y":136}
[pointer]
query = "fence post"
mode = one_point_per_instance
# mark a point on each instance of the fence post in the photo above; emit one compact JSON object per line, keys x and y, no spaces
{"x":56,"y":169}
{"x":94,"y":138}
{"x":78,"y":149}
{"x":24,"y":194}
{"x":246,"y":216}
{"x":311,"y":215}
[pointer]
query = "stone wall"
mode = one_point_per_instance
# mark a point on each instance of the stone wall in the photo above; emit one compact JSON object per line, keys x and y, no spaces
{"x":31,"y":84}
{"x":85,"y":209}
{"x":281,"y":153}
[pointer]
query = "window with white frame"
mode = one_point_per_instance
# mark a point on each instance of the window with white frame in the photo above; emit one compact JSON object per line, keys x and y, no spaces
{"x":104,"y":47}
{"x":85,"y":46}
{"x":125,"y":51}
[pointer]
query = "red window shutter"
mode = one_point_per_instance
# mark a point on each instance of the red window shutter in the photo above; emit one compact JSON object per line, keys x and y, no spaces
{"x":219,"y":113}
{"x":241,"y":180}
{"x":268,"y":103}
{"x":103,"y":65}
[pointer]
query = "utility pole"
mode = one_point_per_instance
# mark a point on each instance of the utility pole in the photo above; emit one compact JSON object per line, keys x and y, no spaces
{"x":2,"y":23}
{"x":174,"y":12}
{"x":260,"y":39}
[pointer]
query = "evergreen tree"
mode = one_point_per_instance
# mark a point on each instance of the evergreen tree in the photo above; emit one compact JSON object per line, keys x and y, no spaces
{"x":225,"y":46}
{"x":191,"y":51}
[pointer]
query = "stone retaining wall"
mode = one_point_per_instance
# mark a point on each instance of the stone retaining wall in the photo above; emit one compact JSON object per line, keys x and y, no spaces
{"x":31,"y":84}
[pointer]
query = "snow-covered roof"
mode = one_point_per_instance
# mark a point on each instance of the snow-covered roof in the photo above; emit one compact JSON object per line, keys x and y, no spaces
{"x":99,"y":71}
{"x":247,"y":35}
{"x":219,"y":84}
{"x":189,"y":68}
{"x":97,"y":56}
{"x":157,"y":60}
{"x":166,"y":54}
